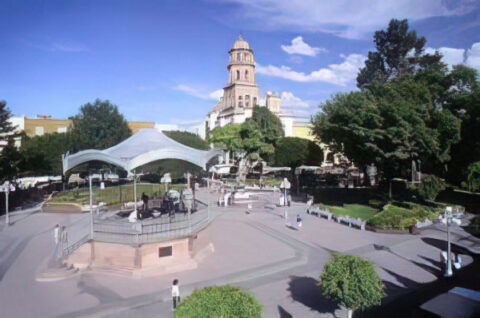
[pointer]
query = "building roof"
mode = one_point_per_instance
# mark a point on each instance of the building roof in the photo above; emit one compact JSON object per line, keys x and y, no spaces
{"x":240,"y":43}
{"x":146,"y":146}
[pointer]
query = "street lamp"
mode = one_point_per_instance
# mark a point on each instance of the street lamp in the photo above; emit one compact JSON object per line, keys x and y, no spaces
{"x":7,"y":188}
{"x":447,"y":220}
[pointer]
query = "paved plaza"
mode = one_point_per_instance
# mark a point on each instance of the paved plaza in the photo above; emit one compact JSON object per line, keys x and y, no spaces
{"x":256,"y":251}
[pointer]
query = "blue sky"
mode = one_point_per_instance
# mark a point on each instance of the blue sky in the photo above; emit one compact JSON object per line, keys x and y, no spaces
{"x":165,"y":61}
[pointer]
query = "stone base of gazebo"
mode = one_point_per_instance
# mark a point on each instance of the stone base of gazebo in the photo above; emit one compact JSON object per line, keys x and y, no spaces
{"x":135,"y":261}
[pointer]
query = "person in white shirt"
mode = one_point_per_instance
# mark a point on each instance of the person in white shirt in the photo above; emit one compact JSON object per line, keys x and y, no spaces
{"x":56,"y":234}
{"x":175,"y":293}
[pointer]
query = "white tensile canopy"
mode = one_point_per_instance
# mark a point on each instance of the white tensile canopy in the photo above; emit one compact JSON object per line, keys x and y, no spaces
{"x":147,"y":145}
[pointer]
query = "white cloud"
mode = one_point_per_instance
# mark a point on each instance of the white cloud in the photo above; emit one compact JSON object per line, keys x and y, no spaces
{"x":216,"y":94}
{"x":290,"y":100}
{"x":451,"y":56}
{"x":339,"y":74}
{"x":455,"y":56}
{"x":473,"y":56}
{"x":300,"y":47}
{"x":196,"y":93}
{"x":352,"y":19}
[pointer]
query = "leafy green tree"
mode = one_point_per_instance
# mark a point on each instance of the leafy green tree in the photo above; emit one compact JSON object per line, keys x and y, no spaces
{"x":6,"y":127}
{"x":399,"y":51}
{"x":429,"y":188}
{"x":268,"y":123}
{"x":293,"y":152}
{"x":228,"y":135}
{"x":98,"y":126}
{"x":473,"y":177}
{"x":188,"y":139}
{"x":10,"y":161}
{"x":219,"y":302}
{"x":352,"y":282}
{"x":43,"y":154}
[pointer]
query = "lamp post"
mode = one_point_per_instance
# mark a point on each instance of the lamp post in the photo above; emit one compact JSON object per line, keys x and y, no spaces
{"x":135,"y":191}
{"x":448,"y":219}
{"x":91,"y":205}
{"x":7,"y":187}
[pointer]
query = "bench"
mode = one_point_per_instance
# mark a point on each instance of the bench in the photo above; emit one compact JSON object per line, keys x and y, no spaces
{"x":352,"y":221}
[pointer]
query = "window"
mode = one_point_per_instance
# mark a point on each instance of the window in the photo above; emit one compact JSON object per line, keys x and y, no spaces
{"x":240,"y":101}
{"x":246,"y":75}
{"x":62,"y":130}
{"x":247,"y":100}
{"x":239,"y":56}
{"x":238,"y":74}
{"x":39,"y":131}
{"x":165,"y":251}
{"x":254,"y":101}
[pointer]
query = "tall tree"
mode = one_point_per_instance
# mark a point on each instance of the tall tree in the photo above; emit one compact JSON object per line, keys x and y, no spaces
{"x":399,"y":51}
{"x":43,"y":154}
{"x":6,"y":127}
{"x":98,"y":126}
{"x":293,"y":152}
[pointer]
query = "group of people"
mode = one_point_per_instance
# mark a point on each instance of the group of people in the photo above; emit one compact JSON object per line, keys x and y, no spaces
{"x":61,"y":239}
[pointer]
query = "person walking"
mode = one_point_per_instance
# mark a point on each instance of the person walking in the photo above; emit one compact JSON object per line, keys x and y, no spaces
{"x":64,"y":239}
{"x":56,"y":235}
{"x":175,"y":294}
{"x":299,"y":221}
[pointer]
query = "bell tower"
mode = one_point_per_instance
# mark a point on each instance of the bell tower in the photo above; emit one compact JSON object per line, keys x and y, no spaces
{"x":241,"y":91}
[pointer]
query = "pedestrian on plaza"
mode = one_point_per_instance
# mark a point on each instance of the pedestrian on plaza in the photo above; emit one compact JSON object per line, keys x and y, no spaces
{"x":64,"y":238}
{"x":175,"y":293}
{"x":56,"y":234}
{"x":145,"y":202}
{"x":299,"y":220}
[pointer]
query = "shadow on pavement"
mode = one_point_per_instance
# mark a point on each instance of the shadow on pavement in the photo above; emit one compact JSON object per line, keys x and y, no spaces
{"x":305,"y":290}
{"x":10,"y":259}
{"x":283,"y":313}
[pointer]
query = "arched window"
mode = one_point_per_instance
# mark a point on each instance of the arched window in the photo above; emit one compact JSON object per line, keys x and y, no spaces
{"x":239,"y":56}
{"x":247,"y":100}
{"x":238,"y":74}
{"x":240,"y":101}
{"x":246,"y":75}
{"x":254,"y":101}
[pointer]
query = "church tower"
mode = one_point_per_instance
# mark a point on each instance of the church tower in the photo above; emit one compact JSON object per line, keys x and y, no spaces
{"x":241,"y":92}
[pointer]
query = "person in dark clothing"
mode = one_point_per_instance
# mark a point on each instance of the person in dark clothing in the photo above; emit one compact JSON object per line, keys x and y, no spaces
{"x":145,"y":202}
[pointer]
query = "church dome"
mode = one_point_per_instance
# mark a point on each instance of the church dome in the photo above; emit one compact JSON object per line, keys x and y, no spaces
{"x":240,"y":43}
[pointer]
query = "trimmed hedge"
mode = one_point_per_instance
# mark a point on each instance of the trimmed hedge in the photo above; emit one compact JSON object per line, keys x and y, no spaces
{"x":219,"y":302}
{"x":400,"y":218}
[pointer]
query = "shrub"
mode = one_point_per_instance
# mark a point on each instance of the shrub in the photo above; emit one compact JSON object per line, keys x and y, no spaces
{"x":400,"y":218}
{"x":473,"y":177}
{"x":429,"y":188}
{"x":352,"y":282}
{"x":219,"y":302}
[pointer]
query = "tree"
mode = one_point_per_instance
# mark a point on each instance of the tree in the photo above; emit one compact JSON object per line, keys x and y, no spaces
{"x":10,"y":161}
{"x":98,"y":126}
{"x":228,"y":135}
{"x":188,"y":139}
{"x":43,"y":154}
{"x":268,"y":123}
{"x":219,"y":302}
{"x":399,"y":51}
{"x":352,"y":282}
{"x":6,"y":127}
{"x":293,"y":152}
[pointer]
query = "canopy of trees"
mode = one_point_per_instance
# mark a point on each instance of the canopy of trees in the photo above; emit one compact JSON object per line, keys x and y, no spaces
{"x":352,"y":282}
{"x":188,"y":139}
{"x":98,"y":126}
{"x":10,"y":158}
{"x":256,"y":137}
{"x":410,"y":107}
{"x":293,"y":152}
{"x":219,"y":302}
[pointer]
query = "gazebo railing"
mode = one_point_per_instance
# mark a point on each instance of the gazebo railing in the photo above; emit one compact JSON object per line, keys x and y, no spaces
{"x":153,"y":230}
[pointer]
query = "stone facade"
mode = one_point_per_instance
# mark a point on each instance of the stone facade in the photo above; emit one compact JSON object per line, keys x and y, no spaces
{"x":240,"y":94}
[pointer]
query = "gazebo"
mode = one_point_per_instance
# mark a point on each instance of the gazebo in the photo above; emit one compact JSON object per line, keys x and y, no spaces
{"x":145,"y":146}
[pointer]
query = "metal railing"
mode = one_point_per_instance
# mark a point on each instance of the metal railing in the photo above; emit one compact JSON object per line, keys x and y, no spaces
{"x":72,"y":248}
{"x":153,"y":230}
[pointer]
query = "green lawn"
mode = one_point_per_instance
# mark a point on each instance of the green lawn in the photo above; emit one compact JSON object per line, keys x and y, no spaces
{"x":111,"y":195}
{"x":353,"y":210}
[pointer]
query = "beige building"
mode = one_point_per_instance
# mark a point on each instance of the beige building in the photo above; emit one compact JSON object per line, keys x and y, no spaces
{"x":45,"y":124}
{"x":240,"y":94}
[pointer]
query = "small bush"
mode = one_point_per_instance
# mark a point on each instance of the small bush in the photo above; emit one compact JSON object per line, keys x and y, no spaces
{"x":400,"y":218}
{"x":352,"y":282}
{"x":428,"y":190}
{"x":219,"y":302}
